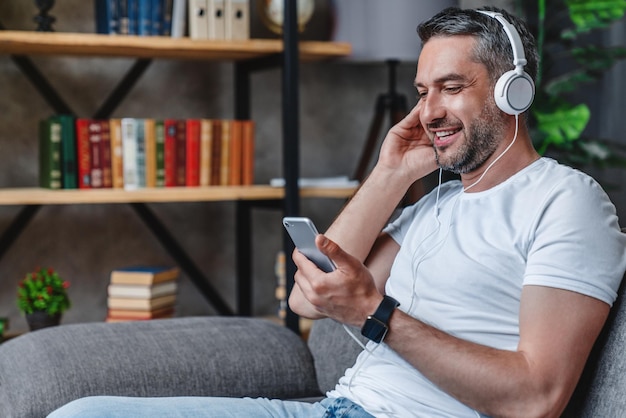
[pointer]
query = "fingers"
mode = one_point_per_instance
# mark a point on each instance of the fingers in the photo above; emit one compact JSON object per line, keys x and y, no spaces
{"x":412,"y":119}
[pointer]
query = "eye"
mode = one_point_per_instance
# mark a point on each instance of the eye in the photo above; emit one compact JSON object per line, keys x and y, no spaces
{"x":420,"y":95}
{"x":452,"y":89}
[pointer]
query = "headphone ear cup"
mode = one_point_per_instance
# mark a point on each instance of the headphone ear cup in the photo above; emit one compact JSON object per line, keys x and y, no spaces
{"x":514,"y":93}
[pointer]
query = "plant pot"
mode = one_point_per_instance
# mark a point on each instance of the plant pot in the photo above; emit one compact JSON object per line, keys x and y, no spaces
{"x":40,"y":319}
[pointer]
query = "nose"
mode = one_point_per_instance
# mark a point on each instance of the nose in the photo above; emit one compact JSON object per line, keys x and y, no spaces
{"x":432,"y":108}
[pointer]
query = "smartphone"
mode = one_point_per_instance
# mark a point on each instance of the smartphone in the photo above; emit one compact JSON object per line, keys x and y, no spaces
{"x":303,"y":232}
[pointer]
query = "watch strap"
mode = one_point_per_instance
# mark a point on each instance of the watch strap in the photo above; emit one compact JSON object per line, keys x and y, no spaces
{"x":385,"y":309}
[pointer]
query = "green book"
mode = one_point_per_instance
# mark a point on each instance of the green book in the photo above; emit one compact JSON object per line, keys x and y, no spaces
{"x":50,"y":154}
{"x":69,"y":168}
{"x":159,"y":133}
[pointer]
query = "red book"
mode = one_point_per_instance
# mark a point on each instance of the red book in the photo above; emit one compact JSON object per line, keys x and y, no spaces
{"x":181,"y":153}
{"x":192,"y":171}
{"x":83,"y":153}
{"x":170,"y":152}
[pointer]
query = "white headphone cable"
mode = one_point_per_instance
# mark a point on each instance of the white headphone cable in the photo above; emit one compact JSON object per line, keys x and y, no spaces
{"x":498,"y":158}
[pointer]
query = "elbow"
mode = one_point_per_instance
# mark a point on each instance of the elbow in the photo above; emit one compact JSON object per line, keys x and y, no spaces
{"x":545,"y":403}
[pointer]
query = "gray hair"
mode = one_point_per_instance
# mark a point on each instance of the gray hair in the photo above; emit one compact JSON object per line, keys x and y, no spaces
{"x":493,"y":48}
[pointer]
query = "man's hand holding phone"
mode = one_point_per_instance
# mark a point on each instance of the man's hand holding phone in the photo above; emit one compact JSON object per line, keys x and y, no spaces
{"x":347,"y":294}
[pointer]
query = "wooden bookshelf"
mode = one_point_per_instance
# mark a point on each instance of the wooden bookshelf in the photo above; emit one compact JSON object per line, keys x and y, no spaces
{"x":247,"y":56}
{"x":95,"y":45}
{"x":40,"y":196}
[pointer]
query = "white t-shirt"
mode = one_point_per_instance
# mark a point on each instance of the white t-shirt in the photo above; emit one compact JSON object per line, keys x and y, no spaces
{"x":462,"y":264}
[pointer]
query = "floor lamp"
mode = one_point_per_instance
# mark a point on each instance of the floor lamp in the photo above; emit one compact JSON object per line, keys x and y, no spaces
{"x":392,"y":103}
{"x":384,"y":31}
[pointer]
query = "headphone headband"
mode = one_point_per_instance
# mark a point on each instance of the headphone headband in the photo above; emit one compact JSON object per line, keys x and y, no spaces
{"x":519,"y":58}
{"x":514,"y":91}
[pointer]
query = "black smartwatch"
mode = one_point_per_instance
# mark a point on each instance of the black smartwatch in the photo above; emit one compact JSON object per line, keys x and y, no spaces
{"x":376,"y":325}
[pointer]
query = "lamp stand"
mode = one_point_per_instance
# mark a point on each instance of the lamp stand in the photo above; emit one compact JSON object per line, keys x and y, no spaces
{"x":43,"y":19}
{"x":396,"y":105}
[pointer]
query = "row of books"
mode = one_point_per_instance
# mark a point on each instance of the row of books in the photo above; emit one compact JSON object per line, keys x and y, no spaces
{"x":138,"y":17}
{"x":141,"y":293}
{"x":133,"y":153}
{"x":202,"y":19}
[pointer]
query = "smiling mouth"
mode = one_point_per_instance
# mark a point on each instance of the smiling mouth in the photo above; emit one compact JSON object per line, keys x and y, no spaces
{"x":445,"y":137}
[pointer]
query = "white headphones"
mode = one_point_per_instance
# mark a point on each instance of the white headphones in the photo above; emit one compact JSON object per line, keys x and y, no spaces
{"x":514,"y":90}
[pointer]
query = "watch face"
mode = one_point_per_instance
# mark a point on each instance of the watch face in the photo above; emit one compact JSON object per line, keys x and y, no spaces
{"x":271,"y":12}
{"x":373,"y":329}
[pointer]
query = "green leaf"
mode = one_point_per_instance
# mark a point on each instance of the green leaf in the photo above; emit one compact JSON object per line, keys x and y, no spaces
{"x":593,"y":14}
{"x":564,"y":124}
{"x":567,"y":82}
{"x":597,"y":58}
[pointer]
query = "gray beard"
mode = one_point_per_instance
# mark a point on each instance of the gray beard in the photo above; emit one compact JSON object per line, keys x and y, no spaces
{"x":482,"y":141}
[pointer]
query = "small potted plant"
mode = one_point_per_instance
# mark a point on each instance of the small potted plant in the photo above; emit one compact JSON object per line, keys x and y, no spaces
{"x":42,"y":298}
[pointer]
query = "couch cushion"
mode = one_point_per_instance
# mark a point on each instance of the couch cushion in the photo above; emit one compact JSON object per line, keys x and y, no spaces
{"x":212,"y":356}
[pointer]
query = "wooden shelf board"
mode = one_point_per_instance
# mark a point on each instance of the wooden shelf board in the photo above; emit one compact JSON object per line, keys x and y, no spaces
{"x":39,"y":196}
{"x":91,"y":44}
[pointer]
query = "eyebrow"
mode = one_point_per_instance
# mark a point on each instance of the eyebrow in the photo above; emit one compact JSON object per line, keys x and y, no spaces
{"x":443,"y":79}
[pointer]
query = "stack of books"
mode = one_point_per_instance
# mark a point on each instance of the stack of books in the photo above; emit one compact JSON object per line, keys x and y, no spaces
{"x":140,"y":293}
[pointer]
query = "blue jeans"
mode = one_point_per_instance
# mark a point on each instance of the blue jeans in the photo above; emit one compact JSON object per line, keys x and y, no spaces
{"x":201,"y":407}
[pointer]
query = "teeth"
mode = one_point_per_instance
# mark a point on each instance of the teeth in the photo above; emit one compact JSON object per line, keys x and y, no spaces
{"x":444,"y":133}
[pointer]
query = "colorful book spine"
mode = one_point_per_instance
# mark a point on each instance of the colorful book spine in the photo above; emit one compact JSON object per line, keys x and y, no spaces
{"x":83,"y":153}
{"x":235,"y":154}
{"x":105,"y":152}
{"x":225,"y":153}
{"x":50,"y":154}
{"x":129,"y":146}
{"x":117,"y":154}
{"x":150,"y":152}
{"x":95,"y":144}
{"x":206,"y":145}
{"x":141,"y":153}
{"x":181,"y":153}
{"x":216,"y":152}
{"x":170,"y":126}
{"x":106,"y":17}
{"x":144,"y":17}
{"x":68,"y":151}
{"x":192,"y":170}
{"x":159,"y":137}
{"x":248,"y":149}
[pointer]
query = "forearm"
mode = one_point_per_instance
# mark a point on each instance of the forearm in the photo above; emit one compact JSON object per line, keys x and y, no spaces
{"x":366,"y":214}
{"x":301,"y":306}
{"x":491,"y":381}
{"x":557,"y":331}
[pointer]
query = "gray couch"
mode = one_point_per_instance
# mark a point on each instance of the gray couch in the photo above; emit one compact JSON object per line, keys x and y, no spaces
{"x":219,"y":356}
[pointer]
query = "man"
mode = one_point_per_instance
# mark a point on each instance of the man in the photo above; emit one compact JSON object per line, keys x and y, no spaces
{"x":504,"y":278}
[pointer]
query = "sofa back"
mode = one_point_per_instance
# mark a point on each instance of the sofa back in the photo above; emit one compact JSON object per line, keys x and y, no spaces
{"x":333,"y":351}
{"x":601,"y":391}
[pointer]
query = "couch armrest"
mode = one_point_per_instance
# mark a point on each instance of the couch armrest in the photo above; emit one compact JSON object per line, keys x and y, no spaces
{"x":211,"y":356}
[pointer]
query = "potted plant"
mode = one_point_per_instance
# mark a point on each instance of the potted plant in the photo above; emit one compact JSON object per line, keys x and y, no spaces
{"x":42,"y":298}
{"x":571,"y":53}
